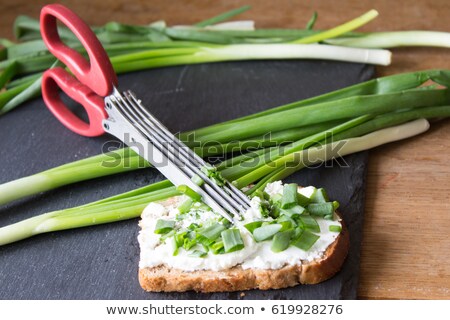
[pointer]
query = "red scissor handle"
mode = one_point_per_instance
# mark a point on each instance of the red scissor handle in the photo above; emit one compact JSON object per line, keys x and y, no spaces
{"x":96,"y":77}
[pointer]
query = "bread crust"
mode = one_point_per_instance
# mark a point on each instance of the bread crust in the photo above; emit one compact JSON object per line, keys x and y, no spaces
{"x":166,"y":279}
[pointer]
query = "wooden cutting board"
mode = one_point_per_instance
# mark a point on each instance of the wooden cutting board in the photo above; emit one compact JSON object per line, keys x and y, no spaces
{"x":101,"y":262}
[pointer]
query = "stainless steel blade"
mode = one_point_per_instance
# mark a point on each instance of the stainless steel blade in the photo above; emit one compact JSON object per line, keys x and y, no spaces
{"x":119,"y":126}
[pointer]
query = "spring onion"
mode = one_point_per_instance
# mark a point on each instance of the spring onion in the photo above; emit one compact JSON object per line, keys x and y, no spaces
{"x":289,"y":199}
{"x":309,"y":223}
{"x":335,"y":228}
{"x":281,"y":241}
{"x":164,"y":226}
{"x":232,"y":240}
{"x":198,"y":254}
{"x":266,"y":232}
{"x":189,"y":192}
{"x":251,"y":226}
{"x":306,"y":240}
{"x":212,"y":232}
{"x":321,"y":209}
{"x":185,"y":206}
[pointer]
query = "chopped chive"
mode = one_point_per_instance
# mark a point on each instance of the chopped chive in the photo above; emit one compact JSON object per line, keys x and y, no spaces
{"x":335,"y":228}
{"x":189,"y":192}
{"x":251,"y":226}
{"x":303,"y":200}
{"x":284,"y":218}
{"x":217,"y":247}
{"x":197,"y":180}
{"x":266,"y":232}
{"x":175,"y":246}
{"x":186,"y":206}
{"x":286,"y":225}
{"x":328,"y":217}
{"x":198,"y":254}
{"x":281,"y":240}
{"x":293,"y":212}
{"x":164,"y":226}
{"x":289,"y":195}
{"x":336,"y":205}
{"x":321,"y":209}
{"x":212,"y":232}
{"x":276,"y":198}
{"x":306,"y":240}
{"x":193,"y":226}
{"x":309,"y":223}
{"x":232,"y":240}
{"x":320,"y":196}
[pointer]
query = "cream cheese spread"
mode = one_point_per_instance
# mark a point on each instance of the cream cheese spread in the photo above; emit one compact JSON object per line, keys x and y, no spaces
{"x":254,"y":255}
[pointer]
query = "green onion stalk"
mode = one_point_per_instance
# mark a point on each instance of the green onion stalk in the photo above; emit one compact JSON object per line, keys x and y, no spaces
{"x":139,"y":47}
{"x":130,"y":205}
{"x":359,"y":117}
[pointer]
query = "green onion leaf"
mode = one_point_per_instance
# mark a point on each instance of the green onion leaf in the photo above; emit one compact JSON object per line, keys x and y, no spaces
{"x":294,"y":212}
{"x":186,"y":206}
{"x":198,"y":254}
{"x":309,"y":223}
{"x":303,"y":200}
{"x":212,"y":232}
{"x":289,"y":195}
{"x":320,"y":196}
{"x":197,"y":180}
{"x":321,"y":209}
{"x":164,"y":226}
{"x":335,"y":228}
{"x":253,"y":225}
{"x":266,"y":232}
{"x":281,"y":240}
{"x":306,"y":240}
{"x":189,"y":192}
{"x":232,"y":240}
{"x":217,"y":247}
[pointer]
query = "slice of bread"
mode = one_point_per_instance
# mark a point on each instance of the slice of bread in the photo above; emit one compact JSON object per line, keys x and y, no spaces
{"x":167,"y":279}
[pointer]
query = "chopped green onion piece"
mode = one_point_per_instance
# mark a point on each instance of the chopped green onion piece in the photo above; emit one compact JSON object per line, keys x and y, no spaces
{"x":286,"y":225}
{"x":321,"y":209}
{"x":320,"y":196}
{"x":335,"y":228}
{"x":289,"y":195}
{"x":176,"y":246}
{"x":189,"y":192}
{"x":306,"y":240}
{"x":189,"y":243}
{"x":303,"y":200}
{"x":276,"y":198}
{"x":266,"y":232}
{"x":197,"y":180}
{"x":328,"y":217}
{"x":198,"y":254}
{"x":336,"y":205}
{"x":295,"y":211}
{"x":186,"y":206}
{"x":232,"y":240}
{"x":253,"y":225}
{"x":284,"y":218}
{"x":281,"y":240}
{"x":193,"y":226}
{"x":217,"y":247}
{"x":309,"y":223}
{"x":212,"y":232}
{"x":164,"y":226}
{"x":166,"y":235}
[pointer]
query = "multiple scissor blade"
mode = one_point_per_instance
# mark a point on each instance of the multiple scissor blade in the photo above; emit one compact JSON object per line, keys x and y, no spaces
{"x":130,"y":121}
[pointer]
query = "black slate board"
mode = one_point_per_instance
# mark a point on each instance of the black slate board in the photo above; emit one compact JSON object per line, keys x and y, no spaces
{"x":101,"y":262}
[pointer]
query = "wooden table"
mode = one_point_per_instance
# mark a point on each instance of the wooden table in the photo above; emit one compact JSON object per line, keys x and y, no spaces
{"x":406,"y":244}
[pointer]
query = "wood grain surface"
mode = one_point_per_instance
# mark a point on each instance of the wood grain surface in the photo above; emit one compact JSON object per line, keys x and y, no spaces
{"x":406,"y":243}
